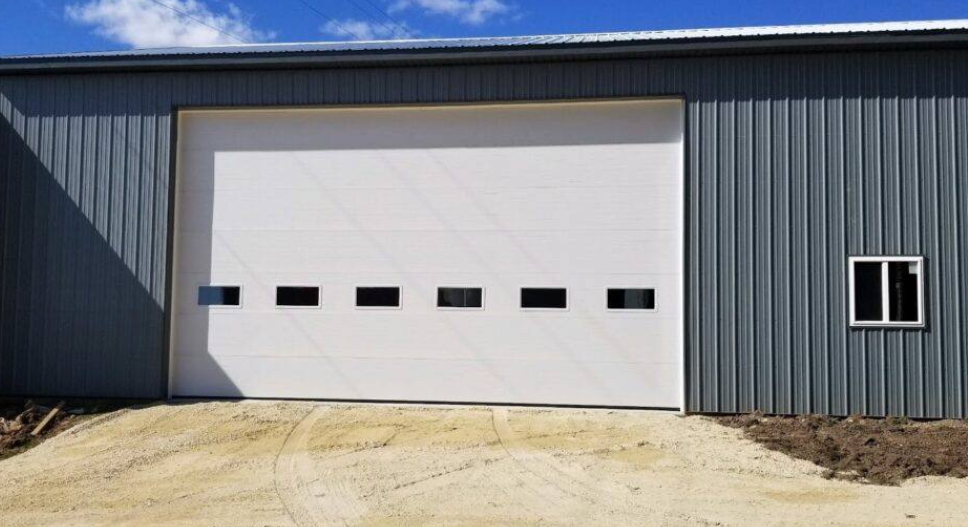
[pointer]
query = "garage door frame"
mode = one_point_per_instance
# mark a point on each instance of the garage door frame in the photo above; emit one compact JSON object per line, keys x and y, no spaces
{"x":174,"y":179}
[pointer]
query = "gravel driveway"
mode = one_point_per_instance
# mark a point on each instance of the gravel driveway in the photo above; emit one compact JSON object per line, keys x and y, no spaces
{"x":306,"y":464}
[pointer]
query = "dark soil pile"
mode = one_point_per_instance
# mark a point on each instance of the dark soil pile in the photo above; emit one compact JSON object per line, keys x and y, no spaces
{"x":17,"y":421}
{"x":18,"y":418}
{"x":881,"y":451}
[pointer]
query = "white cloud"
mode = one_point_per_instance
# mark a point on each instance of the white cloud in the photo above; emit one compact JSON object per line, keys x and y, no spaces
{"x":148,"y":24}
{"x":467,"y":11}
{"x":354,"y":29}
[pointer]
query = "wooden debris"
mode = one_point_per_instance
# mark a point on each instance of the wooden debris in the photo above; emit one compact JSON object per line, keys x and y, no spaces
{"x":22,"y":416}
{"x":47,"y":419}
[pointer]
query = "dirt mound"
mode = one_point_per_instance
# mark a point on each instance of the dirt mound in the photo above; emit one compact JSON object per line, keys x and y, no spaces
{"x":259,"y":463}
{"x":882,"y":451}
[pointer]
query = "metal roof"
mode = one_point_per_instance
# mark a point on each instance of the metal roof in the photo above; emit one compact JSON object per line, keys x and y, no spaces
{"x":786,"y":35}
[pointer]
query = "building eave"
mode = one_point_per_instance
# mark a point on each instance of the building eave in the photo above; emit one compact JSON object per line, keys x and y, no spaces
{"x":503,"y":49}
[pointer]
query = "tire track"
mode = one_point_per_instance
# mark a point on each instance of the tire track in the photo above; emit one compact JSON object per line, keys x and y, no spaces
{"x":526,"y":461}
{"x":550,"y":472}
{"x":332,"y":503}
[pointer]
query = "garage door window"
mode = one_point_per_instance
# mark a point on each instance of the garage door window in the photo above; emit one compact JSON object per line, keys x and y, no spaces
{"x":297,"y":296}
{"x":460,"y":297}
{"x":544,"y":298}
{"x":220,"y":295}
{"x":886,"y":291}
{"x":378,"y":297}
{"x":621,"y":298}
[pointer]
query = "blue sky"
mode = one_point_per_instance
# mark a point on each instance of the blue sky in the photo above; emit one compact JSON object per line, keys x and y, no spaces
{"x":45,"y":26}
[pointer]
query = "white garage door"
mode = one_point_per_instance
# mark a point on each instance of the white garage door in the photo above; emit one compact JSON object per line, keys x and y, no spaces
{"x":554,"y":230}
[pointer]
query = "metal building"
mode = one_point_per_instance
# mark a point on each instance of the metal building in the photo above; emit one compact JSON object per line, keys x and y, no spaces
{"x":719,"y":220}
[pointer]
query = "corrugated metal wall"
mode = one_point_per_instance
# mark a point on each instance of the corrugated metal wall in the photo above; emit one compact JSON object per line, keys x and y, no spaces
{"x":795,"y":161}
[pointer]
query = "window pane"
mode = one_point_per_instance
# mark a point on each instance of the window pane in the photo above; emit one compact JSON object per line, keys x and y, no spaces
{"x":378,"y":297}
{"x":219,"y":295}
{"x":867,"y":292}
{"x":468,"y":297}
{"x":297,"y":296}
{"x":903,"y":291}
{"x":544,"y":297}
{"x":631,"y":298}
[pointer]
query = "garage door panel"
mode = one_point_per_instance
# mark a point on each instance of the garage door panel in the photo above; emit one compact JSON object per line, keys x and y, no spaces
{"x":196,"y":169}
{"x":583,"y":196}
{"x":335,"y":209}
{"x":293,"y":334}
{"x":465,"y":168}
{"x":440,"y":209}
{"x":195,"y":212}
{"x":432,"y":251}
{"x":385,"y":129}
{"x":534,"y":382}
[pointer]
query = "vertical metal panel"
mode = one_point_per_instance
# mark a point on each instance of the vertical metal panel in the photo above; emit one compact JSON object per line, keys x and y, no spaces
{"x":793,"y":161}
{"x":959,"y":232}
{"x":80,"y":306}
{"x":744,"y":301}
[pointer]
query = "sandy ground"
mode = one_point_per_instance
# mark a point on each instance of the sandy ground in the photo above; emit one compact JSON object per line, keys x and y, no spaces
{"x":305,"y":464}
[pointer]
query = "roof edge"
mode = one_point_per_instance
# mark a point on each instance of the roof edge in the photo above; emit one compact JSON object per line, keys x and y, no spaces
{"x":728,"y":40}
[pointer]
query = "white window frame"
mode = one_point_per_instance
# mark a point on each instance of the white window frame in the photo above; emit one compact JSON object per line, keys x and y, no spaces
{"x":199,"y":285}
{"x":655,"y":294}
{"x":444,"y":308}
{"x":319,"y":297}
{"x":885,"y":321}
{"x":397,"y":307}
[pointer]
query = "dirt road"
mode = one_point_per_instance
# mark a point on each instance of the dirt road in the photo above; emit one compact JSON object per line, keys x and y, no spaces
{"x":304,"y":464}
